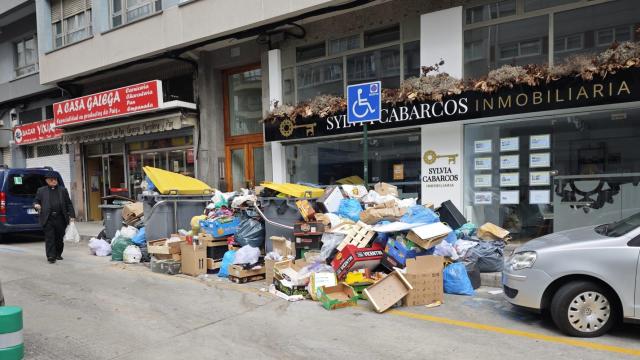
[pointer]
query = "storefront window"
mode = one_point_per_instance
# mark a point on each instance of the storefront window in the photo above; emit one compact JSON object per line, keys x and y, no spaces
{"x":533,"y":177}
{"x":513,"y":43}
{"x":393,"y":159}
{"x":592,"y":29}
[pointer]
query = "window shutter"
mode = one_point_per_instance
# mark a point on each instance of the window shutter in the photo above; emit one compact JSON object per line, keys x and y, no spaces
{"x":72,"y":7}
{"x":56,"y":11}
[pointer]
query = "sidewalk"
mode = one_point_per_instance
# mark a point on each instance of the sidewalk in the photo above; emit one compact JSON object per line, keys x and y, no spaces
{"x":89,"y":229}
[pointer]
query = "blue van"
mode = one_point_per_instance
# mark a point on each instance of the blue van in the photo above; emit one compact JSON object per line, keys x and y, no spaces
{"x":17,"y":191}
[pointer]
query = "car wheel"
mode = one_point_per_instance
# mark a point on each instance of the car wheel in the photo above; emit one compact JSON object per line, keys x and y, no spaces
{"x":583,"y":309}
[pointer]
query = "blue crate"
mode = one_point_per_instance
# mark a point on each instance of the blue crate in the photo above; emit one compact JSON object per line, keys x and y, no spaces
{"x":400,"y":251}
{"x":218,"y":229}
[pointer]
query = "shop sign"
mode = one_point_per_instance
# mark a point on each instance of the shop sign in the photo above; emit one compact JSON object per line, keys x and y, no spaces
{"x":136,"y":129}
{"x":36,"y":132}
{"x":107,"y":104}
{"x":624,"y":86}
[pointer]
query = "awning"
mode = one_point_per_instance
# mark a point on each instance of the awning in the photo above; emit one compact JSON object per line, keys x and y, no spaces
{"x":166,"y":122}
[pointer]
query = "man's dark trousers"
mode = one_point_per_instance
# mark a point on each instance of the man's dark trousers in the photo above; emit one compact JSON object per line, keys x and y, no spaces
{"x":54,"y":230}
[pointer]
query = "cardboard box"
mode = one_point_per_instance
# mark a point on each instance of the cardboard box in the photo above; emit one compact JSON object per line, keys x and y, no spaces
{"x":424,"y":273}
{"x":319,"y":280}
{"x":213,"y":264}
{"x":194,"y":259}
{"x":399,"y":251}
{"x":374,"y":215}
{"x":388,"y":291}
{"x":283,"y":246}
{"x":330,"y":201}
{"x":306,"y":210}
{"x":353,"y":258}
{"x":386,"y":189}
{"x":428,"y":236}
{"x":308,"y":228}
{"x":169,"y":267}
{"x":307,"y":243}
{"x":133,"y":210}
{"x":355,"y":191}
{"x":489,"y":232}
{"x":289,"y":270}
{"x":164,"y":247}
{"x":288,"y":288}
{"x":239,"y":272}
{"x":339,"y":296}
{"x":268,"y":267}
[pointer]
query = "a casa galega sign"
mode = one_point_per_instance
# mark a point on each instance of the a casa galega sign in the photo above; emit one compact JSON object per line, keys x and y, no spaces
{"x":623,"y":86}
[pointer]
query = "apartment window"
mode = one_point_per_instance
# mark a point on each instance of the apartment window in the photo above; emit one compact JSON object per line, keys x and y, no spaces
{"x":531,"y":5}
{"x":490,"y":11}
{"x":125,"y":11}
{"x":29,"y":116}
{"x":344,"y":44}
{"x":70,"y":21}
{"x":568,"y":43}
{"x":607,"y":36}
{"x":521,"y":49}
{"x":376,"y":54}
{"x":474,"y":50}
{"x":26,"y":56}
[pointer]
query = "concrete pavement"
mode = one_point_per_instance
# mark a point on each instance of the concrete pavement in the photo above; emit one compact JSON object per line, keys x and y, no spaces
{"x":86,"y":307}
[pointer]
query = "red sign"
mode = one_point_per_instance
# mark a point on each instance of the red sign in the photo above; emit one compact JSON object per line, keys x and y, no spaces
{"x":107,"y":104}
{"x":35,"y":132}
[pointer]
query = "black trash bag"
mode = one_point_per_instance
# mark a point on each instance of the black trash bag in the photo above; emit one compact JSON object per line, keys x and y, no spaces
{"x":474,"y":274}
{"x":145,"y":258}
{"x":488,"y":255}
{"x":250,"y":232}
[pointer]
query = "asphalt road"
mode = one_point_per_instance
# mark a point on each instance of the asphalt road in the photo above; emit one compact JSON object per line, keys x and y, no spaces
{"x":86,"y":307}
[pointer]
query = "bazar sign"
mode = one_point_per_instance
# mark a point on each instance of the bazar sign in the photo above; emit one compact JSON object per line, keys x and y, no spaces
{"x":107,"y":104}
{"x":36,"y":132}
{"x":147,"y":127}
{"x":566,"y":93}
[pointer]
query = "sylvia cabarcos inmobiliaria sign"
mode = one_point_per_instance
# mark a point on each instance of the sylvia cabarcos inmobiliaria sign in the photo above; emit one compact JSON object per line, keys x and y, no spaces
{"x":561,"y":94}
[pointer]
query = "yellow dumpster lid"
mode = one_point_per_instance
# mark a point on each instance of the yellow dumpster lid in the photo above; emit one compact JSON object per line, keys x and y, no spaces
{"x":294,"y":190}
{"x":168,"y":182}
{"x":351,"y":180}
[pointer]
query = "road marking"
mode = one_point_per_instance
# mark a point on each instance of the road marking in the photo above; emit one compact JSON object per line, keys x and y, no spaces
{"x":525,"y":334}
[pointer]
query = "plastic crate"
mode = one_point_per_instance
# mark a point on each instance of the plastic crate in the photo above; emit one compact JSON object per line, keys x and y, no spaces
{"x":218,"y":229}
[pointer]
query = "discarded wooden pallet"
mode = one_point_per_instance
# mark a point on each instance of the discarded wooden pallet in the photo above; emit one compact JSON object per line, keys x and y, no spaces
{"x":360,"y":235}
{"x":242,"y":280}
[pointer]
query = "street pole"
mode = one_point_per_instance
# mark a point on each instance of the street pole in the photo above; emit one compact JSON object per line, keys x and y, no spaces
{"x":365,"y":155}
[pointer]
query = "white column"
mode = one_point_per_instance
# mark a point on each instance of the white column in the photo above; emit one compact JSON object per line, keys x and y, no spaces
{"x":278,"y":160}
{"x":441,"y":38}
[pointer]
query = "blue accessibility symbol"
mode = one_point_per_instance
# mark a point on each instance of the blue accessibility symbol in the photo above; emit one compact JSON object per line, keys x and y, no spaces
{"x":364,"y":102}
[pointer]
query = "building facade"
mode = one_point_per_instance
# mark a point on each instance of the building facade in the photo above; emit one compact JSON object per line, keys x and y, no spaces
{"x":531,"y":160}
{"x":26,"y":135}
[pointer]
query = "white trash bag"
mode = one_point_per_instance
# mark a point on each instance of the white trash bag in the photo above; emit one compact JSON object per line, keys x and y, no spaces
{"x":128,"y":231}
{"x":99,"y":247}
{"x":71,"y":233}
{"x":132,"y":255}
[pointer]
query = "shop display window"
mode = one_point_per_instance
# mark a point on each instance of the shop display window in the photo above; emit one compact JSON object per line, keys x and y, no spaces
{"x":393,"y":159}
{"x":536,"y":176}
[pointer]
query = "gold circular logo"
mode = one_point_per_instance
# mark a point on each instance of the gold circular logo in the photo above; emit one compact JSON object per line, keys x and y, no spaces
{"x":429,"y":157}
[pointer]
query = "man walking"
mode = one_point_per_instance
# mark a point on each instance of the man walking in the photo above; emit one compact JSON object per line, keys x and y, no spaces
{"x":56,"y":211}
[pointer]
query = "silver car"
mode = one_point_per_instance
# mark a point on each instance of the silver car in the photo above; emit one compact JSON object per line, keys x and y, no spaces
{"x":586,"y":278}
{"x":1,"y":296}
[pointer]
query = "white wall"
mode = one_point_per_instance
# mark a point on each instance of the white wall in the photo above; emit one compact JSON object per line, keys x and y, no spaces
{"x":174,"y":27}
{"x":441,"y":38}
{"x":60,"y":163}
{"x":443,"y":139}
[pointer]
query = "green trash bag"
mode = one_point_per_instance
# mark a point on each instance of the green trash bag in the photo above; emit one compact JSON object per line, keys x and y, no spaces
{"x":117,"y":247}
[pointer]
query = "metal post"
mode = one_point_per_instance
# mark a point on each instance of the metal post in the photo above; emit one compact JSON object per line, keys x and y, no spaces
{"x":365,"y":155}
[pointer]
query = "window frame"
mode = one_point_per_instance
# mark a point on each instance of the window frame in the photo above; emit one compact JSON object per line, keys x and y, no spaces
{"x":614,"y":34}
{"x":124,"y":10}
{"x":519,"y":46}
{"x":64,"y":34}
{"x":16,"y":63}
{"x":521,"y":14}
{"x":565,"y":40}
{"x":401,"y":42}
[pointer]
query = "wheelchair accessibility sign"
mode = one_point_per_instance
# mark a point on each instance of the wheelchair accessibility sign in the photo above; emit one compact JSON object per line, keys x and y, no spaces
{"x":364,"y":102}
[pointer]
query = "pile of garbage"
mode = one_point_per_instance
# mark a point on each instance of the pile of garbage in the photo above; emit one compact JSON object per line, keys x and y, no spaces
{"x":335,"y":245}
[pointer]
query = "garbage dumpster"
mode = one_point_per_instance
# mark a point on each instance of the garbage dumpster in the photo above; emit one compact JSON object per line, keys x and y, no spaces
{"x":280,"y":214}
{"x":166,"y":214}
{"x":111,"y":218}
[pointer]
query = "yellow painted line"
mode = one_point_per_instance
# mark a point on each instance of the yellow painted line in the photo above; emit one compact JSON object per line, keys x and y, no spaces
{"x":524,"y":334}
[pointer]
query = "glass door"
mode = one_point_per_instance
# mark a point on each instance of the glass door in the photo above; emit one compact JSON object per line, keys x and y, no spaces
{"x":244,"y":164}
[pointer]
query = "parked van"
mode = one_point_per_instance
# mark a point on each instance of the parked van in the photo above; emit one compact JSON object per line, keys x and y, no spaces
{"x":18,"y":189}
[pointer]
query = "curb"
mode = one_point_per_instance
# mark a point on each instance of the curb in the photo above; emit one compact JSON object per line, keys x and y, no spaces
{"x":493,"y":279}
